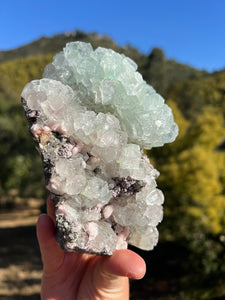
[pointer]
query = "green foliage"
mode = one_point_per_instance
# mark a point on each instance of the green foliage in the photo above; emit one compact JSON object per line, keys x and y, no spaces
{"x":20,"y":71}
{"x":177,"y":72}
{"x":192,"y":168}
{"x":193,"y":179}
{"x":192,"y":95}
{"x":162,"y":73}
{"x":155,"y":70}
{"x":20,"y":164}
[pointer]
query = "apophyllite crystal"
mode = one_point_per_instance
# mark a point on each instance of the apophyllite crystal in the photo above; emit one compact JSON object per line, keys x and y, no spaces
{"x":91,"y":116}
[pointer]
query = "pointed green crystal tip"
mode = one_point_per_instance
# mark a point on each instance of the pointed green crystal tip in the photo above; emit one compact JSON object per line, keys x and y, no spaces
{"x":108,"y":82}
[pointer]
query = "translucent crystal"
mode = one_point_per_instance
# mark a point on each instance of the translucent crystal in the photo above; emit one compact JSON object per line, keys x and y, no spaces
{"x":91,"y":116}
{"x":145,"y":239}
{"x":110,"y":83}
{"x":97,"y":191}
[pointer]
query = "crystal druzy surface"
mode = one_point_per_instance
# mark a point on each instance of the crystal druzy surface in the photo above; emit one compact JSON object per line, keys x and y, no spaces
{"x":90,"y":116}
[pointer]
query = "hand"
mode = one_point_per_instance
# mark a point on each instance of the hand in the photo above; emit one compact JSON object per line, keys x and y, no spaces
{"x":75,"y":276}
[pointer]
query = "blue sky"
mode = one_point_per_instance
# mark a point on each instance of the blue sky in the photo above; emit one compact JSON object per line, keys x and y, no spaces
{"x":190,"y":31}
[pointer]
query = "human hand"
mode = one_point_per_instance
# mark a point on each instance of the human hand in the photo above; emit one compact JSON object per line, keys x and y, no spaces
{"x":75,"y":276}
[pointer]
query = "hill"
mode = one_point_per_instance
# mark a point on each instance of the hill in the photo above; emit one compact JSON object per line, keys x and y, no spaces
{"x":46,"y":45}
{"x":173,"y":70}
{"x":194,"y":94}
{"x":192,"y":169}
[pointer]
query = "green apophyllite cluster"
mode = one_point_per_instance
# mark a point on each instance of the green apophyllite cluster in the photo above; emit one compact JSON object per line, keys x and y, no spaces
{"x":91,"y":116}
{"x":108,"y":82}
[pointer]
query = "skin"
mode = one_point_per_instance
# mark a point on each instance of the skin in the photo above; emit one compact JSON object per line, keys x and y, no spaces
{"x":75,"y":276}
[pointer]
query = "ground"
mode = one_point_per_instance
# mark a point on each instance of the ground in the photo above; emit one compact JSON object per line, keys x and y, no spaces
{"x":20,"y":263}
{"x":21,"y":267}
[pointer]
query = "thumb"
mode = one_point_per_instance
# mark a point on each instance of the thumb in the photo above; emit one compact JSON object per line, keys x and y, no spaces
{"x":51,"y":253}
{"x":111,"y":273}
{"x":125,"y":263}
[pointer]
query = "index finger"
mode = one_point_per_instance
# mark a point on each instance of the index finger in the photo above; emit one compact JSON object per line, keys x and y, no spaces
{"x":51,"y":209}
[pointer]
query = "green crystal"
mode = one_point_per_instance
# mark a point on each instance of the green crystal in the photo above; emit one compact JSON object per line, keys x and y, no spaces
{"x":108,"y":82}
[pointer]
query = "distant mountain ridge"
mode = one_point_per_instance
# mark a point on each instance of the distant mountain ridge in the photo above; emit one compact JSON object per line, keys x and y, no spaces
{"x":173,"y":71}
{"x":191,"y":88}
{"x":46,"y":45}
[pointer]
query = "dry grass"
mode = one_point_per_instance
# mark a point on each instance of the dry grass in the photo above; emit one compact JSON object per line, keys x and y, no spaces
{"x":19,"y":280}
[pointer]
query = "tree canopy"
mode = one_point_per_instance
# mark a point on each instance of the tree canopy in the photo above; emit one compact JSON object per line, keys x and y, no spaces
{"x":192,"y":168}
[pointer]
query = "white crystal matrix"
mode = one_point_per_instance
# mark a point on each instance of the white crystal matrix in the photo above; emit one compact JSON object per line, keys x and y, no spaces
{"x":91,"y":116}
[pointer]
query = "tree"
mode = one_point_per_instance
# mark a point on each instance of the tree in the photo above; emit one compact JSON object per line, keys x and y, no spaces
{"x":155,"y":70}
{"x":193,"y":178}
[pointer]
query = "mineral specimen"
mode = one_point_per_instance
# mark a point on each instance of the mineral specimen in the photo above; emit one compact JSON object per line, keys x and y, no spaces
{"x":91,"y":116}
